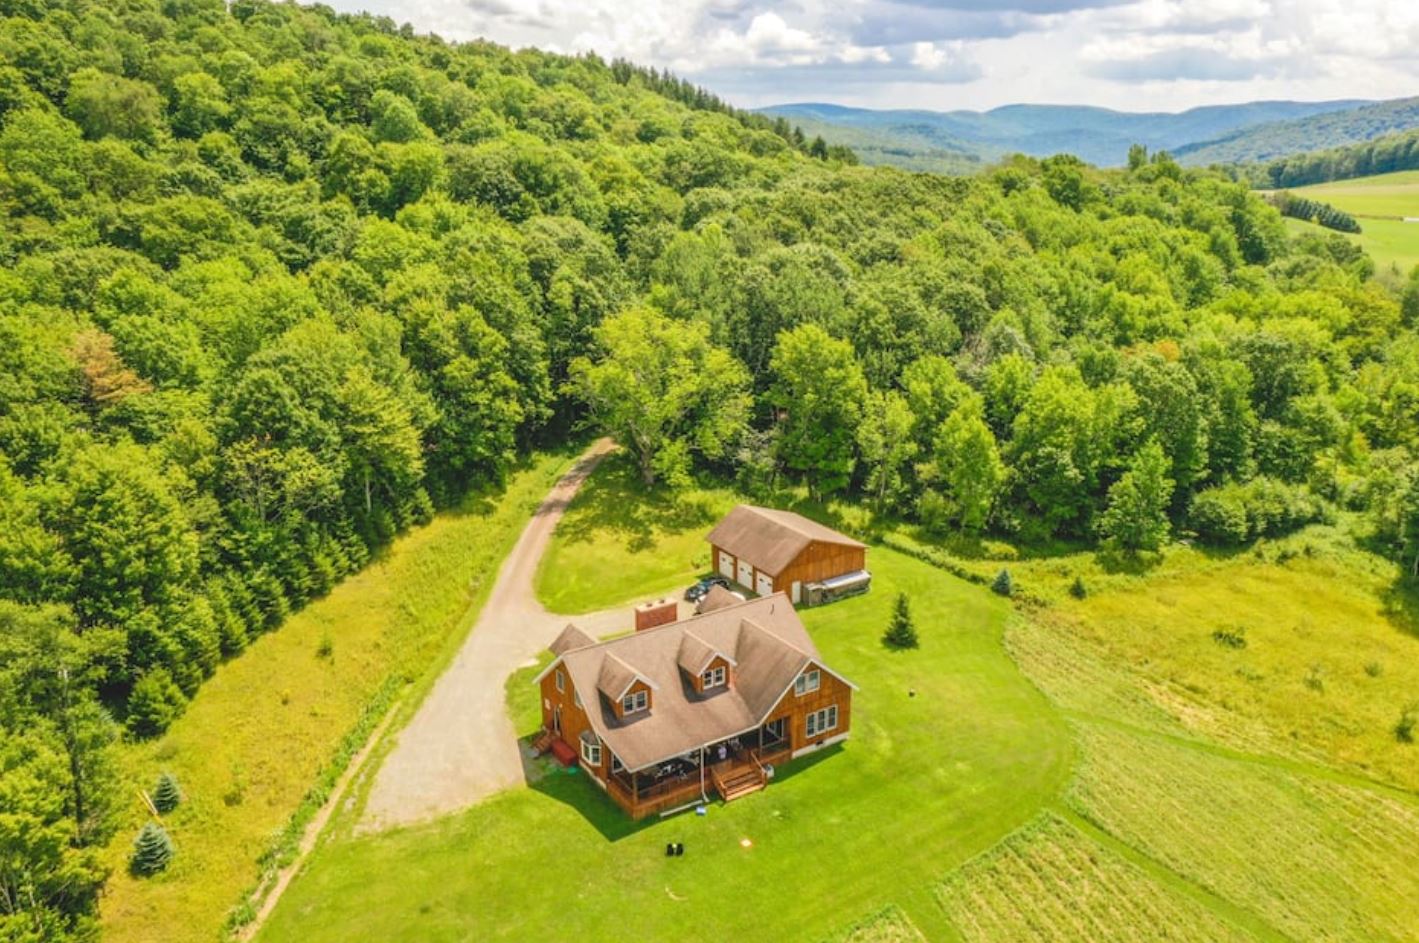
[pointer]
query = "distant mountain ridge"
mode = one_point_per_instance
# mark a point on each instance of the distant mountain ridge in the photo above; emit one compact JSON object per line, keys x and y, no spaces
{"x":1276,"y":139}
{"x":1098,"y":135}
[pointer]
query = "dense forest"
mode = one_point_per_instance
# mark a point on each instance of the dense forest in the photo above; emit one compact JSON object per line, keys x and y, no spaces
{"x":1383,"y":155}
{"x":278,"y":282}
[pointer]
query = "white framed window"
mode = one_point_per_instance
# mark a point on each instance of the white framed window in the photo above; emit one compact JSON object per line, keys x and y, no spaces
{"x":635,"y":702}
{"x":713,"y":677}
{"x":590,"y":752}
{"x":576,"y":697}
{"x":807,"y":683}
{"x":821,"y":721}
{"x":561,"y":681}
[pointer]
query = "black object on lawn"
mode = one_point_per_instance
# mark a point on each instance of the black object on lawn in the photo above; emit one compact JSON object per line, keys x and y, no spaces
{"x":669,"y":849}
{"x":679,"y":849}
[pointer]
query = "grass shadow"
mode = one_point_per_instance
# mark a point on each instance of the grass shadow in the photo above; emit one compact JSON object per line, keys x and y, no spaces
{"x":572,"y":787}
{"x":792,"y":768}
{"x":1126,"y":563}
{"x":1400,"y":605}
{"x":616,"y":501}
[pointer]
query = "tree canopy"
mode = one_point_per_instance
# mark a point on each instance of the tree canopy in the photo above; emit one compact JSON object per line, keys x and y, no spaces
{"x":277,"y":282}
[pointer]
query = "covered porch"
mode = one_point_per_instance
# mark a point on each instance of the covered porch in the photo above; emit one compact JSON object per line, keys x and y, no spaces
{"x":732,"y":768}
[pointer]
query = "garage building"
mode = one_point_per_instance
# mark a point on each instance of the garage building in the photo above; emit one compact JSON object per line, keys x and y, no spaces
{"x":767,"y":550}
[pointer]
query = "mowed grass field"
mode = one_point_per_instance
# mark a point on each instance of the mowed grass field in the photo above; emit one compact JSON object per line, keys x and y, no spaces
{"x":1317,"y":859}
{"x":926,"y":782}
{"x":259,"y":732}
{"x":1393,"y":243}
{"x":1049,"y":881}
{"x":616,"y":542}
{"x":1069,"y":769}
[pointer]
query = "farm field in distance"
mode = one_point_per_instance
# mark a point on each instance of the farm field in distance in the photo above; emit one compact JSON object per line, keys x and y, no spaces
{"x":1163,"y":778}
{"x":1375,"y":202}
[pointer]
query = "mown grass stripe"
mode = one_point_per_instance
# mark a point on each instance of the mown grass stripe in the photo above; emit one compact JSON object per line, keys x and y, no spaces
{"x":1236,"y":915}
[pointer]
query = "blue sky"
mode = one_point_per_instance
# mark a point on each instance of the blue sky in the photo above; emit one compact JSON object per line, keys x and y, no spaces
{"x":1135,"y":55}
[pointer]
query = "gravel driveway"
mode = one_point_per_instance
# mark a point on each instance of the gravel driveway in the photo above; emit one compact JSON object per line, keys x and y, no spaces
{"x":460,"y":746}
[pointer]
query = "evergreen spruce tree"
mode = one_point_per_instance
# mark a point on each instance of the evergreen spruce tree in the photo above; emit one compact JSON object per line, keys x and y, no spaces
{"x":1077,"y":589}
{"x":1003,"y":586}
{"x":167,"y":796}
{"x":901,"y":632}
{"x":152,"y":850}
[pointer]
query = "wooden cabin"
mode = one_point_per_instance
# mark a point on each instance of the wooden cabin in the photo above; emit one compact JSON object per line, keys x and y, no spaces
{"x":767,"y":550}
{"x":710,"y":705}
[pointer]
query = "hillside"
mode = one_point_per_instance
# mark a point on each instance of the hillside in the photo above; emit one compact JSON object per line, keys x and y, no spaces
{"x":1097,"y":135}
{"x":1388,"y":154}
{"x":278,"y":285}
{"x":1280,"y":138}
{"x":907,"y":146}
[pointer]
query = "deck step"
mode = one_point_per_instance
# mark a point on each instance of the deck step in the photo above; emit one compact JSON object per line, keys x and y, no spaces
{"x":739,"y":782}
{"x":734,"y":792}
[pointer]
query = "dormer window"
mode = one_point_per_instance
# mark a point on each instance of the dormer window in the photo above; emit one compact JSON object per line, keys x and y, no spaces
{"x":807,"y":683}
{"x":635,"y":702}
{"x":713,"y":677}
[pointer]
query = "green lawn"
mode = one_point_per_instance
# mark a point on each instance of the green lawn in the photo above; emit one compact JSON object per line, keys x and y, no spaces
{"x":926,"y":783}
{"x":1101,"y":768}
{"x":1392,"y":243}
{"x":616,"y":543}
{"x":261,"y":730}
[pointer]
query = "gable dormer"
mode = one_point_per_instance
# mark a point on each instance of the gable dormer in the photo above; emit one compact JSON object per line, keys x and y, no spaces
{"x":627,"y":690}
{"x":707,"y":668}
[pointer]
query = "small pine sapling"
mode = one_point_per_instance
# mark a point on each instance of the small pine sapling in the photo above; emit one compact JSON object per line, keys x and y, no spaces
{"x":166,"y":796}
{"x":152,"y":850}
{"x":901,"y":632}
{"x":1003,"y":585}
{"x":1408,"y":720}
{"x":1077,"y":589}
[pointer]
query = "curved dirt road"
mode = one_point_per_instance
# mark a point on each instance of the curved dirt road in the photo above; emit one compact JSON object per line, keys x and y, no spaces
{"x":460,"y":746}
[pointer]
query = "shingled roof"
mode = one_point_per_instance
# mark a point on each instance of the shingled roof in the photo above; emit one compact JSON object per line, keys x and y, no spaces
{"x":571,"y":637}
{"x":764,"y":638}
{"x":718,"y":597}
{"x":771,"y":539}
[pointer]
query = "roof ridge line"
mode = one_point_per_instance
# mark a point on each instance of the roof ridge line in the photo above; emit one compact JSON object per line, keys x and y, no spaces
{"x":774,"y":635}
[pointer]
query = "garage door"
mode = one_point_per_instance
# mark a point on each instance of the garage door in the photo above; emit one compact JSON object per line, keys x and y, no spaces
{"x":765,"y":586}
{"x":746,"y":574}
{"x":726,"y":565}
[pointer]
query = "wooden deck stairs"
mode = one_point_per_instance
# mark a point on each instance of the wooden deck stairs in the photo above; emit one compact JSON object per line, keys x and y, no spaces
{"x":542,"y":742}
{"x":739,"y":780}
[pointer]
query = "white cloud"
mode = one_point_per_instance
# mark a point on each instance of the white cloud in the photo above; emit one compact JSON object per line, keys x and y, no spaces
{"x":1131,"y":54}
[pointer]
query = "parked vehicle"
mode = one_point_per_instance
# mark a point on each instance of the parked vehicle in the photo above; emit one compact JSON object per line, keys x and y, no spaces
{"x":698,"y":591}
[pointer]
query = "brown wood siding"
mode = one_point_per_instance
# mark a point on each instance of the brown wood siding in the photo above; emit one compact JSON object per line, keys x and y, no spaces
{"x":796,"y":709}
{"x":820,"y":561}
{"x":574,"y":719}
